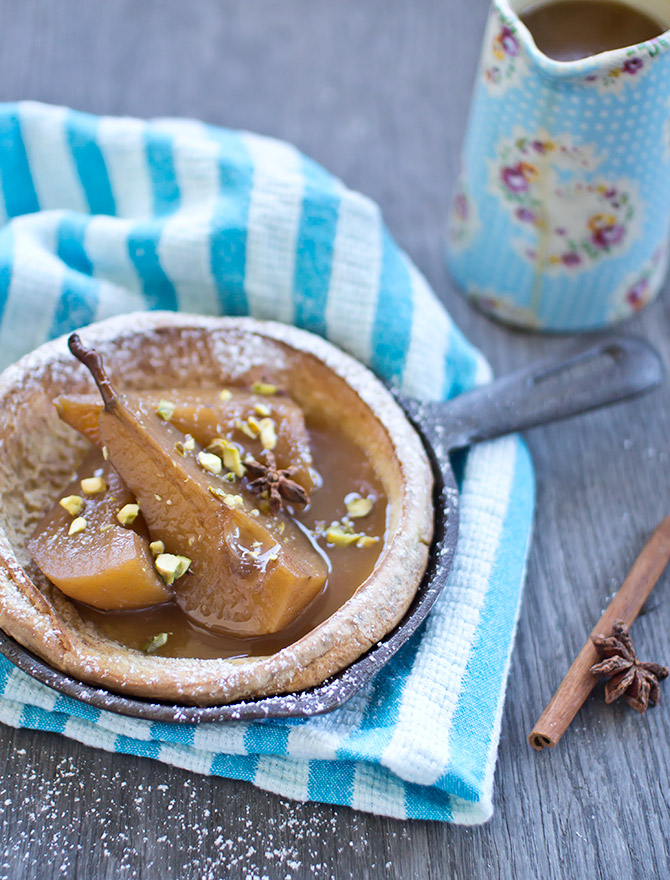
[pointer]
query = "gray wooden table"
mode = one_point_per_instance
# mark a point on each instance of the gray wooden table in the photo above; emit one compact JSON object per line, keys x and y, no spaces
{"x":378,"y":92}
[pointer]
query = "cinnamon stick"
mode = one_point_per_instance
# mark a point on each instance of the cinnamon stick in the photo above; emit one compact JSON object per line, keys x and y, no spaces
{"x":626,"y":605}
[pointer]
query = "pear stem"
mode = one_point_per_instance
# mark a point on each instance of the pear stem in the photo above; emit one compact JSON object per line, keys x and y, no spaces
{"x":93,"y":362}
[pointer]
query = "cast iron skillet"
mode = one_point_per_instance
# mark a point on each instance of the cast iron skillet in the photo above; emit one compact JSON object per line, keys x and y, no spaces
{"x":587,"y":377}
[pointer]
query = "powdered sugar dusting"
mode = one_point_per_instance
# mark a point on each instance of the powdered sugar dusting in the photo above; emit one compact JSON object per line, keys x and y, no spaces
{"x":136,"y":813}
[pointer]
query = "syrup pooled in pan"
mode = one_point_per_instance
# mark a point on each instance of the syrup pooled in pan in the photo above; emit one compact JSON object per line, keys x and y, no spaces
{"x":343,"y":469}
{"x":251,"y":569}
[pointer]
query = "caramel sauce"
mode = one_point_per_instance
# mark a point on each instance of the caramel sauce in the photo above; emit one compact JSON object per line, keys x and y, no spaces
{"x":342,"y":468}
{"x":567,"y":30}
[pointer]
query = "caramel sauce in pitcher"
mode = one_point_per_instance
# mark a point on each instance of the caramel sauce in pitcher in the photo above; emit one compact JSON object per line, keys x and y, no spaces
{"x":567,"y":30}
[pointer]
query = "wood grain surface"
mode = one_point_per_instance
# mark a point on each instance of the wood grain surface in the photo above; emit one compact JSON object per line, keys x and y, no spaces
{"x":378,"y":92}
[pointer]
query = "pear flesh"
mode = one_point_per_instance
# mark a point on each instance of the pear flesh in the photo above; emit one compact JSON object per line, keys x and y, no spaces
{"x":100,"y":562}
{"x":251,"y":572}
{"x":206,"y":415}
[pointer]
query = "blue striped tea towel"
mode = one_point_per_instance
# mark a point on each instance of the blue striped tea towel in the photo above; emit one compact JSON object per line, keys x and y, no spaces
{"x":102,"y":216}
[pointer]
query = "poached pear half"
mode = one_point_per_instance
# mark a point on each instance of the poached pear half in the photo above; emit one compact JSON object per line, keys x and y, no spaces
{"x":251,"y":573}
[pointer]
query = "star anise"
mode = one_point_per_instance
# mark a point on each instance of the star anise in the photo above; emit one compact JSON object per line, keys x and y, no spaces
{"x":627,"y":675}
{"x":276,"y":483}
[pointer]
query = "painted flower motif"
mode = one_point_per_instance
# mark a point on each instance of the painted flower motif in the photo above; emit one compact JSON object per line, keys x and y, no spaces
{"x":567,"y":219}
{"x":504,"y":308}
{"x":637,"y":295}
{"x":544,"y":147}
{"x":571,"y":258}
{"x":525,"y":215}
{"x":606,"y":232}
{"x":608,"y":236}
{"x":640,"y":288}
{"x":503,"y":62}
{"x":463,"y":222}
{"x":514,"y":179}
{"x":505,"y":43}
{"x":508,"y":41}
{"x":519,"y":177}
{"x":616,"y":79}
{"x":632,"y":65}
{"x":461,"y":207}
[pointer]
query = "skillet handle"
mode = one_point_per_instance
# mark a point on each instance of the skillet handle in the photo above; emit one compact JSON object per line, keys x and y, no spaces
{"x":587,"y":377}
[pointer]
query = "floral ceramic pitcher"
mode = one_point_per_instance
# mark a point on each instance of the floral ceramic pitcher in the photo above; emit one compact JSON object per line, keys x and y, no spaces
{"x":561,"y":215}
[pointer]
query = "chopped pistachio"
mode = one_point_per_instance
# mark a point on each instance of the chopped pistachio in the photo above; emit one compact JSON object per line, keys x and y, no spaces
{"x":366,"y":541}
{"x":232,"y":460}
{"x":343,"y":536}
{"x":229,"y":500}
{"x":335,"y":534}
{"x":105,"y":453}
{"x":77,"y":525}
{"x":254,"y":425}
{"x":154,"y":643}
{"x":218,"y":445}
{"x":128,"y":514}
{"x":245,"y":429}
{"x":158,"y":497}
{"x":210,"y":462}
{"x":229,"y":477}
{"x":165,"y":409}
{"x":268,"y":433}
{"x":171,"y":567}
{"x":229,"y":453}
{"x":266,"y":388}
{"x":261,"y":409}
{"x":225,"y":395}
{"x":72,"y":503}
{"x":93,"y":485}
{"x":105,"y":527}
{"x":157,"y":547}
{"x":234,"y":501}
{"x":185,"y":445}
{"x":357,"y":506}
